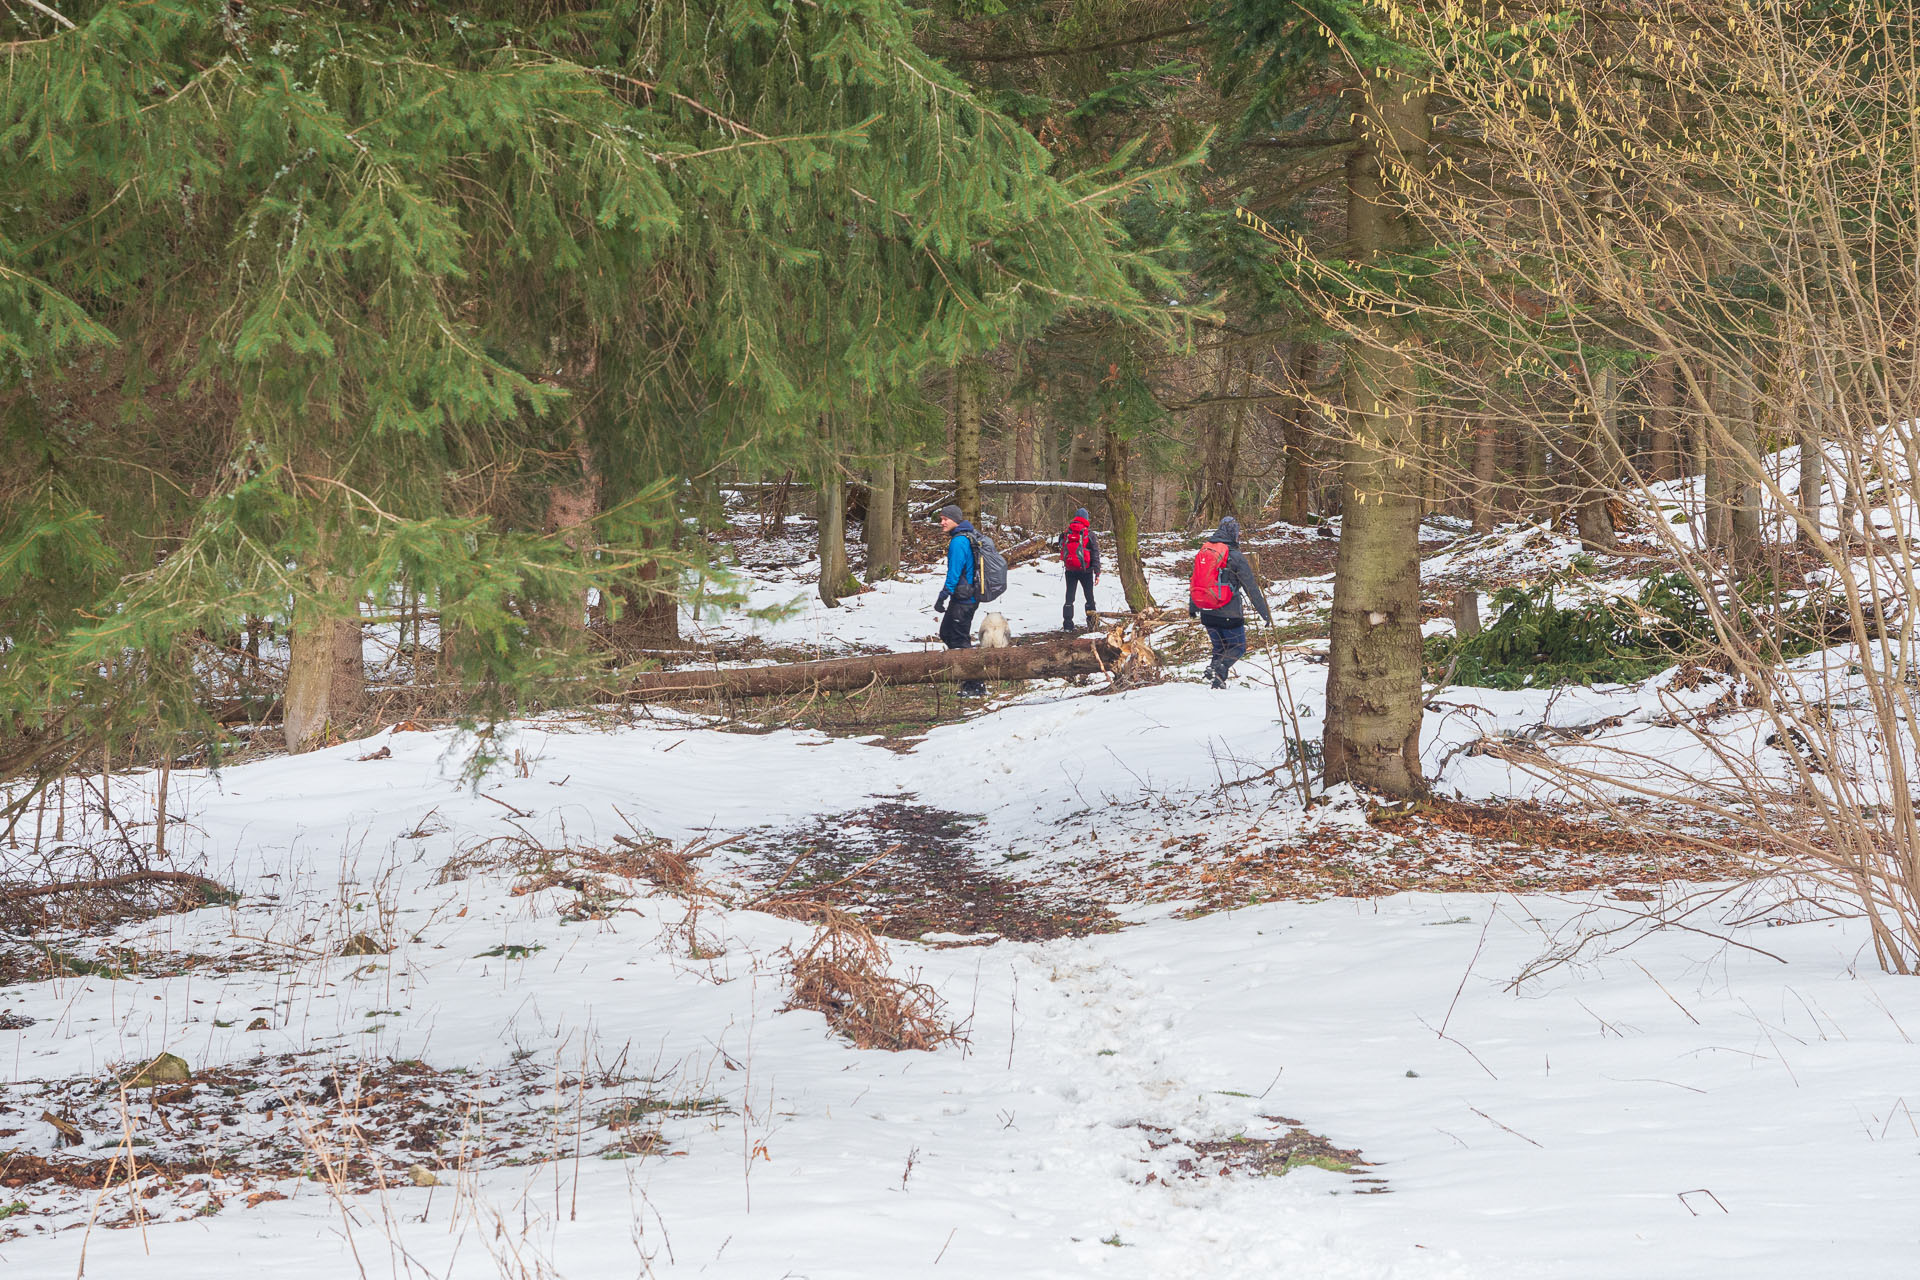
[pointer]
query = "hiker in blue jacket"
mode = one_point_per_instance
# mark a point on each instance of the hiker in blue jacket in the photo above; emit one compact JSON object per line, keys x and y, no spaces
{"x":960,"y":596}
{"x":1220,"y":574}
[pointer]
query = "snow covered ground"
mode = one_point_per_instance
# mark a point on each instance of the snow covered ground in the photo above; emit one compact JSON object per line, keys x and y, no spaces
{"x":1539,"y":1084}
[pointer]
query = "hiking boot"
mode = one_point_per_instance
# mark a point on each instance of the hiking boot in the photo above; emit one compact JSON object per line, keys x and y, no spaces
{"x":1216,"y":680}
{"x":1066,"y":621}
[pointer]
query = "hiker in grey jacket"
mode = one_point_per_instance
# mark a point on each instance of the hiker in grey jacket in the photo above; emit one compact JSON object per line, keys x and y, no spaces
{"x":1219,"y":582}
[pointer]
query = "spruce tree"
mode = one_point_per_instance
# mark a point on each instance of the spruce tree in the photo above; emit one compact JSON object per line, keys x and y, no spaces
{"x":361,"y":289}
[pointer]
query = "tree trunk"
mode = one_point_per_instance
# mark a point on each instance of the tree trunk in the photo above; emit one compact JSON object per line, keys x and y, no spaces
{"x":326,"y":671}
{"x":1466,"y":613}
{"x":1486,"y":471}
{"x":1594,"y":465}
{"x":570,"y":507}
{"x":1536,"y":500}
{"x":882,"y":534}
{"x":966,"y":438}
{"x":775,"y":502}
{"x":1047,"y":660}
{"x":1372,"y":734}
{"x":1024,"y":509}
{"x":1166,"y":497}
{"x":1814,"y":407}
{"x":836,"y":580}
{"x":1733,"y":510}
{"x":902,"y":503}
{"x":1126,"y":523}
{"x":1083,"y":459}
{"x":1219,"y":448}
{"x":1296,"y":479}
{"x":1743,"y":516}
{"x":1665,"y":462}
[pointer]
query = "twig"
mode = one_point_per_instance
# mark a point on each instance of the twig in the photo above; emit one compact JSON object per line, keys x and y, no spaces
{"x":1515,"y":1132}
{"x":1699,"y":1191}
{"x":56,"y":15}
{"x":518,"y":813}
{"x":1442,"y":1033}
{"x":650,"y":87}
{"x":1470,"y":1053}
{"x":1668,"y":994}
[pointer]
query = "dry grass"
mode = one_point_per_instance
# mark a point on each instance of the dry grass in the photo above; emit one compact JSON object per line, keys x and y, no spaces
{"x":843,"y":974}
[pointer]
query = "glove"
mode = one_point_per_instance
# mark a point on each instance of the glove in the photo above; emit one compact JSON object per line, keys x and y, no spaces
{"x":1191,"y":611}
{"x":940,"y":605}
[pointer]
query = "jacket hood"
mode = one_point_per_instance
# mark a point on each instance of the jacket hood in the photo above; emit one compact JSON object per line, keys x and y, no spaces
{"x":963,"y":526}
{"x":1228,"y":532}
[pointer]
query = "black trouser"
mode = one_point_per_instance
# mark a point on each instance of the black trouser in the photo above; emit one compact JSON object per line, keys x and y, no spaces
{"x":1229,"y":636}
{"x":956,"y":632}
{"x":1082,"y":578}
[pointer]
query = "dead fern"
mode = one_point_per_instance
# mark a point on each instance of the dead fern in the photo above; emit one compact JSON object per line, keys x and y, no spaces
{"x":843,"y":974}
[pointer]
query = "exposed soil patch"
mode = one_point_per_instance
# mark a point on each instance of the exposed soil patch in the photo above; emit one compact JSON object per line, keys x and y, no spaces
{"x":181,"y":1150}
{"x":36,"y":960}
{"x":1436,"y":847}
{"x":908,"y":870}
{"x":1184,"y":1160}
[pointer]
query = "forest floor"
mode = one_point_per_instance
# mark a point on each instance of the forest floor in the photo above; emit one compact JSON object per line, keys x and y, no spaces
{"x":1185,"y":1013}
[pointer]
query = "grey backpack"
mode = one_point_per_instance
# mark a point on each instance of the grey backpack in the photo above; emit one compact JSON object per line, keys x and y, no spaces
{"x":990,"y":569}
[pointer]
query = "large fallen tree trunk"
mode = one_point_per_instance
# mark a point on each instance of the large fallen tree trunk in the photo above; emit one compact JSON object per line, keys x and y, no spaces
{"x":1071,"y":656}
{"x":947,"y":491}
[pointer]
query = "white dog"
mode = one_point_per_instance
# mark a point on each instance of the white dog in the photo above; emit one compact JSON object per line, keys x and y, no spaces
{"x":994,"y":631}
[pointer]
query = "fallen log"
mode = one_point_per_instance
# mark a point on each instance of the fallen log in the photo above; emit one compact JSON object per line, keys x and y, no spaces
{"x":940,"y":486}
{"x":1049,"y":659}
{"x":211,"y":890}
{"x":1087,"y":490}
{"x":1031,"y":549}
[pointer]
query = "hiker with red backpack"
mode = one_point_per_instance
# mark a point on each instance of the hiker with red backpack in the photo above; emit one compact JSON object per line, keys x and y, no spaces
{"x":1080,"y":556}
{"x":1220,"y":575}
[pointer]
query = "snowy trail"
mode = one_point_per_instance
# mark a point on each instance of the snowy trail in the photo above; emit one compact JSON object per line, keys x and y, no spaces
{"x":1562,"y":1129}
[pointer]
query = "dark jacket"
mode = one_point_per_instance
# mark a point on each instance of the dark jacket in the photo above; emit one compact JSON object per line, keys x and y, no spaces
{"x":960,"y":562}
{"x":1082,"y":523}
{"x":1237,"y":575}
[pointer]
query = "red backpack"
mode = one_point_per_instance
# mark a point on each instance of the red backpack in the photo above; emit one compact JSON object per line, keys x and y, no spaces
{"x":1073,"y":550}
{"x":1207,"y":591}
